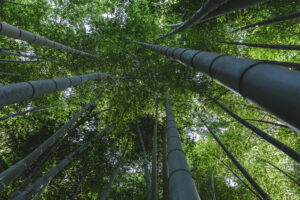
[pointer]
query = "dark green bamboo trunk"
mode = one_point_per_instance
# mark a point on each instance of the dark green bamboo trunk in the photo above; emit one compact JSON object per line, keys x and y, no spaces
{"x":181,"y":183}
{"x":242,"y":181}
{"x":252,"y":79}
{"x":165,"y":168}
{"x":154,"y":190}
{"x":289,"y":16}
{"x":284,"y":148}
{"x":283,"y":172}
{"x":147,"y":174}
{"x":267,"y":122}
{"x":208,"y":7}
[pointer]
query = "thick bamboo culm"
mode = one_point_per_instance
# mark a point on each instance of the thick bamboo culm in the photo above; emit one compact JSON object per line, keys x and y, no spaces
{"x":274,"y":88}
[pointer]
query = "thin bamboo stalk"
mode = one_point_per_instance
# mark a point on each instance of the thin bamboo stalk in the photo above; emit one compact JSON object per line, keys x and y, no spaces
{"x":10,"y":174}
{"x":263,"y":194}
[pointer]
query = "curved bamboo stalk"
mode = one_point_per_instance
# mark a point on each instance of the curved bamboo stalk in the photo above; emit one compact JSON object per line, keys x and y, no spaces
{"x":181,"y":183}
{"x":10,"y":174}
{"x":263,"y":194}
{"x":274,"y":88}
{"x":147,"y":175}
{"x":17,"y":33}
{"x":282,"y":18}
{"x":17,"y":92}
{"x":209,"y":6}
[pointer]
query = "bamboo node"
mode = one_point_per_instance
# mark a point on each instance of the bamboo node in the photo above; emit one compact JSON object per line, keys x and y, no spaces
{"x":211,"y":64}
{"x":243,"y":74}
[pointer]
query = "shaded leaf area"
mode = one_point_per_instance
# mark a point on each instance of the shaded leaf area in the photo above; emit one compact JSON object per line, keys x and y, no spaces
{"x":106,"y":29}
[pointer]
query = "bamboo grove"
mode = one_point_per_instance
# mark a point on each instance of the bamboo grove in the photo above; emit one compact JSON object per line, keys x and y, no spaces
{"x":166,"y":99}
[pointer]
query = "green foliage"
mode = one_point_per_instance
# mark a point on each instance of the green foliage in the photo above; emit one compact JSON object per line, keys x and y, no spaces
{"x":106,"y":29}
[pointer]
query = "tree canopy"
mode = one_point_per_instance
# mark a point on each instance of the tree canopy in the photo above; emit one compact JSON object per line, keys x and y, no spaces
{"x":107,"y":29}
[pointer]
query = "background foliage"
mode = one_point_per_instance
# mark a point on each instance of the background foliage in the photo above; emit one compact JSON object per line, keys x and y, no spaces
{"x":106,"y":29}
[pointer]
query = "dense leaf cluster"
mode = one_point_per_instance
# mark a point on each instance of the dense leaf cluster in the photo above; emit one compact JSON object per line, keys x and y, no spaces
{"x":107,"y":29}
